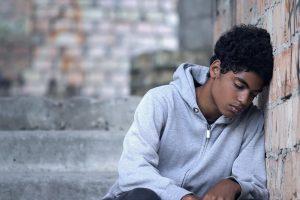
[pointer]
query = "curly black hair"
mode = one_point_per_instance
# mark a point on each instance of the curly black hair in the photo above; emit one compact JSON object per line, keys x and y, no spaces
{"x":245,"y":48}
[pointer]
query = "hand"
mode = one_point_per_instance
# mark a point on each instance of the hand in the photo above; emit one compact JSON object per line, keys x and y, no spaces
{"x":190,"y":197}
{"x":224,"y":190}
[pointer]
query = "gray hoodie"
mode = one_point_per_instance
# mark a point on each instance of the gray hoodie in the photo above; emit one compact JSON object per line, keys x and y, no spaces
{"x":171,"y":149}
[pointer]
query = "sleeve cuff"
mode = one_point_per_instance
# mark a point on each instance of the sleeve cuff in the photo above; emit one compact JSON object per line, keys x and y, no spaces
{"x":244,"y":188}
{"x":174,"y":192}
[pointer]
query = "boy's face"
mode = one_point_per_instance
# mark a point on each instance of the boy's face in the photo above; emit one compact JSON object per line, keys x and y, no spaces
{"x":233,"y":92}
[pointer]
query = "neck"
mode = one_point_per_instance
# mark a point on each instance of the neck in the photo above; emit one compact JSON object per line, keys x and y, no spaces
{"x":206,"y":103}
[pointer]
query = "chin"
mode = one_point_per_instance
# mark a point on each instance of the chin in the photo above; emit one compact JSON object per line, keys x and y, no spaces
{"x":229,"y":114}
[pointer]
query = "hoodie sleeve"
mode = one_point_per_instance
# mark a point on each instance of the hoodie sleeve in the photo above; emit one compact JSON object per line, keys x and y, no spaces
{"x":139,"y":159}
{"x":249,"y":167}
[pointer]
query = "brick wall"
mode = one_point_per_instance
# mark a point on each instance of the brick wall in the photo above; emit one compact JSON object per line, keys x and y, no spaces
{"x":84,"y":46}
{"x":282,"y":101}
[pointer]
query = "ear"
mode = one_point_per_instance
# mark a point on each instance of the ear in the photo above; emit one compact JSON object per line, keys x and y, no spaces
{"x":215,"y":69}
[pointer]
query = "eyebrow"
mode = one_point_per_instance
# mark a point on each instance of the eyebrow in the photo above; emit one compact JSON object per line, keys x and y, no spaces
{"x":245,"y":83}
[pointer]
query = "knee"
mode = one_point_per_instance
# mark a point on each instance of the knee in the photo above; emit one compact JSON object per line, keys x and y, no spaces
{"x":145,"y":194}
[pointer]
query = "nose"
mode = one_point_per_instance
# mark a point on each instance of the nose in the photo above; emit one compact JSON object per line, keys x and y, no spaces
{"x":243,"y":97}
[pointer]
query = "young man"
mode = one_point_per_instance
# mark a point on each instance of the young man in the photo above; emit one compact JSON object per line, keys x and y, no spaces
{"x":200,"y":137}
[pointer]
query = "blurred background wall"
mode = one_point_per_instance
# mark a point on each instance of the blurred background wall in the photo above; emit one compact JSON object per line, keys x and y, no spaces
{"x":98,"y":48}
{"x":83,"y":47}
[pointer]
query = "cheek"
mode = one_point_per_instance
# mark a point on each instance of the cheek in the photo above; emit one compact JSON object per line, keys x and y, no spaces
{"x":225,"y":92}
{"x":220,"y":94}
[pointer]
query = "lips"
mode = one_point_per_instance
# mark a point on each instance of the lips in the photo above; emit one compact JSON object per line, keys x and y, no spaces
{"x":236,"y":109}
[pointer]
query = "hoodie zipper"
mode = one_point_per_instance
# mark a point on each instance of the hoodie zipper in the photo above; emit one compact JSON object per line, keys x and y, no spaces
{"x":207,"y":137}
{"x":208,"y":134}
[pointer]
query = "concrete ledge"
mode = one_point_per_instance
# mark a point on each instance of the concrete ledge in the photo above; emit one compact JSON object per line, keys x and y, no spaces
{"x":60,"y":150}
{"x":80,"y":113}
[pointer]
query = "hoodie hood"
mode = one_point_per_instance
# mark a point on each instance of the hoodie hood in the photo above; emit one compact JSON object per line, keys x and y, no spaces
{"x":183,"y":80}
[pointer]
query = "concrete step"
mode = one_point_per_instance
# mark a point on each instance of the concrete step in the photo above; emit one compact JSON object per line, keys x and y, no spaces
{"x":78,"y":113}
{"x":65,"y":151}
{"x":55,"y":186}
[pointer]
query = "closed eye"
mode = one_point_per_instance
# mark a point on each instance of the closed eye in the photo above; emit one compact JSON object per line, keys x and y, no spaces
{"x":240,"y":87}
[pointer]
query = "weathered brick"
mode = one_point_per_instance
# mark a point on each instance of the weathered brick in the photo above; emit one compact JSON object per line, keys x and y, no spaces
{"x":68,"y":39}
{"x":42,"y":65}
{"x":101,"y":40}
{"x":92,"y":14}
{"x":97,"y":51}
{"x":247,"y":11}
{"x":107,"y":3}
{"x":75,"y":78}
{"x":120,"y":52}
{"x":152,"y":5}
{"x":279,"y":31}
{"x":107,"y":91}
{"x":286,"y":77}
{"x":274,"y":181}
{"x":128,"y":15}
{"x":291,"y":173}
{"x":119,"y":79}
{"x":163,"y":30}
{"x":284,"y":20}
{"x":95,"y":79}
{"x":129,"y":4}
{"x":146,"y":28}
{"x":146,"y":43}
{"x":35,"y":89}
{"x":154,"y":16}
{"x":123,"y":27}
{"x":105,"y":26}
{"x":169,"y":43}
{"x":282,"y":125}
{"x":168,"y":5}
{"x":283,"y":174}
